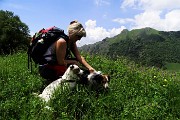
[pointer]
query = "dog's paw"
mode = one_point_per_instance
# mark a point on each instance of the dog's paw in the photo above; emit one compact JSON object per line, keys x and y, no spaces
{"x":48,"y":108}
{"x":35,"y":94}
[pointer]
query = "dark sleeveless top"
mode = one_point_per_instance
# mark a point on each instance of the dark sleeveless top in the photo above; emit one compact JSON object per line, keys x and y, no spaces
{"x":50,"y":54}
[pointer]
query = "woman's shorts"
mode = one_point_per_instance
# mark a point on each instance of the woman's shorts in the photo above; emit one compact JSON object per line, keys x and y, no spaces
{"x":52,"y":72}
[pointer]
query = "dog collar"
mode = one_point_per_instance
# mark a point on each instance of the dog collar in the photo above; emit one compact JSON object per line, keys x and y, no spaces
{"x":70,"y":80}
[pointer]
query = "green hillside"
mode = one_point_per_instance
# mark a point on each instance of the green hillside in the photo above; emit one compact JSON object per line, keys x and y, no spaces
{"x":136,"y":92}
{"x":146,"y":46}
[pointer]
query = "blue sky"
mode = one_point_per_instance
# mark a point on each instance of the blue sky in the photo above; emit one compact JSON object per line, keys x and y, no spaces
{"x":101,"y":18}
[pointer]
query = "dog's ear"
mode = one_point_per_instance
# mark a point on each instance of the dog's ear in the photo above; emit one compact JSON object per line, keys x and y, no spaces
{"x":71,"y":67}
{"x":106,"y":78}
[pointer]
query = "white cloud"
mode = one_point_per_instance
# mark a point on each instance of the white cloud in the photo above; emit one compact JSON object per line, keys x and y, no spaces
{"x":101,"y":2}
{"x":170,"y":21}
{"x":95,"y":33}
{"x":147,"y":19}
{"x":152,"y":4}
{"x":128,"y":3}
{"x":158,"y":14}
{"x":123,"y":21}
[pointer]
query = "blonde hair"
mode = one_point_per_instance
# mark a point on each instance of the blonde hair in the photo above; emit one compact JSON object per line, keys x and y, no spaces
{"x":76,"y":28}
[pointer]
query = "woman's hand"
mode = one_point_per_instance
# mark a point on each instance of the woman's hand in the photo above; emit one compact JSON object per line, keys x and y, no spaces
{"x":91,"y":70}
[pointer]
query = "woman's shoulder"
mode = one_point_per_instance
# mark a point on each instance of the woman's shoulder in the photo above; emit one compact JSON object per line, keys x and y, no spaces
{"x":61,"y":41}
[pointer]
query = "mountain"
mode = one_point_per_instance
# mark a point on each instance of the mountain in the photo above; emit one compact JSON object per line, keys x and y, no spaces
{"x":147,"y":46}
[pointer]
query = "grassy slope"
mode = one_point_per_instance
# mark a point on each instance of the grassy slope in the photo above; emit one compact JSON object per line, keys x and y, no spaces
{"x":173,"y":66}
{"x":136,"y":93}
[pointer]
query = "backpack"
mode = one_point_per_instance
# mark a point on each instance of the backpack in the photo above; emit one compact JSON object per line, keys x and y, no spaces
{"x":41,"y":41}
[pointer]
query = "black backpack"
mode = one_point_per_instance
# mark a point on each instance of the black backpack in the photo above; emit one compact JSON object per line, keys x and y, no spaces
{"x":41,"y":41}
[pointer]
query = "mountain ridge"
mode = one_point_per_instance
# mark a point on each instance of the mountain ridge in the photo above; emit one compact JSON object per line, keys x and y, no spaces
{"x":147,"y":45}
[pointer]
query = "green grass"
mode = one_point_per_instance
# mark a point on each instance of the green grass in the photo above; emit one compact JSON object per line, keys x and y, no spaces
{"x":136,"y":93}
{"x":173,"y":66}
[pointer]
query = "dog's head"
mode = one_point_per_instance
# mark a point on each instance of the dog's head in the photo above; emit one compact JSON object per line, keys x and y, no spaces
{"x":72,"y":73}
{"x":98,"y":80}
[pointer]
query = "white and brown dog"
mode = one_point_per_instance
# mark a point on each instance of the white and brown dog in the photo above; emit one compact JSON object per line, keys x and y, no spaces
{"x":95,"y":80}
{"x":98,"y":80}
{"x":70,"y":78}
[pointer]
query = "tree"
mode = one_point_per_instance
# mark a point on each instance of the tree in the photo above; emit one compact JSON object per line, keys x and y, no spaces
{"x":14,"y":34}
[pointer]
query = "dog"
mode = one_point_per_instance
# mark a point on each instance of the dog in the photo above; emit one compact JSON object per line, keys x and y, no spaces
{"x":95,"y":80}
{"x":98,"y":80}
{"x":70,"y":78}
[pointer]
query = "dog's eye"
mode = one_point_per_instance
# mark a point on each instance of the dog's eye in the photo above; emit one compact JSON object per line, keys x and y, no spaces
{"x":104,"y":81}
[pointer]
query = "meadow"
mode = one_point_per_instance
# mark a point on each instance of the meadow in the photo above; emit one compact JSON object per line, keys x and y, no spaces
{"x":136,"y":92}
{"x":173,"y":66}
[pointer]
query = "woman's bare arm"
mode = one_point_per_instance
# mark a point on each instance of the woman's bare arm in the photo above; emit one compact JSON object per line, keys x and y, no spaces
{"x":80,"y":58}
